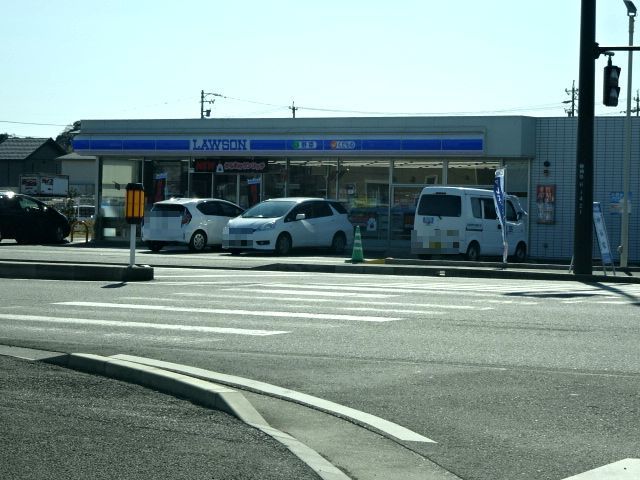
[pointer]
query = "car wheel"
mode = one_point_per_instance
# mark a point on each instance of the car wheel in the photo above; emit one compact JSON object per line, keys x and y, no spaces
{"x":473,"y":252}
{"x":155,"y":246}
{"x":22,"y":239}
{"x":198,"y":241}
{"x":235,"y":251}
{"x":58,"y":234}
{"x":339,"y":243}
{"x":283,"y":244}
{"x":521,"y":253}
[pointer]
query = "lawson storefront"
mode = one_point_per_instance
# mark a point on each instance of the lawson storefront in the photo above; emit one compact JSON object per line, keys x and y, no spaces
{"x":375,"y":166}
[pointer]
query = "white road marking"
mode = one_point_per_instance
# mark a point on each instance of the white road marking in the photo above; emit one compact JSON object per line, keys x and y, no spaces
{"x":228,"y":276}
{"x":367,"y":309}
{"x":223,"y":311}
{"x":157,"y":326}
{"x":212,"y":299}
{"x":627,"y":469}
{"x":312,"y":293}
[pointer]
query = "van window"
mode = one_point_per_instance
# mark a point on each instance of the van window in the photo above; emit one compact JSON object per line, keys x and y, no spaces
{"x":489,"y":209}
{"x":440,"y":205}
{"x":511,"y":213}
{"x":476,"y":207}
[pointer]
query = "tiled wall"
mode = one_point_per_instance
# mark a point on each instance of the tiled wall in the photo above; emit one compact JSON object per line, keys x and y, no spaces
{"x":556,"y":143}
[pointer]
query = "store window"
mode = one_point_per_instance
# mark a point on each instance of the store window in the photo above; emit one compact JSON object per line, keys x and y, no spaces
{"x":312,"y":177}
{"x":516,"y":180}
{"x":274,"y":179}
{"x":410,"y":176}
{"x":364,"y":190}
{"x":472,"y":173}
{"x":116,"y":174}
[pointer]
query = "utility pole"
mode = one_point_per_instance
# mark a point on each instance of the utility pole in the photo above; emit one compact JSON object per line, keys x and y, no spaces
{"x":583,"y":230}
{"x":293,"y":108}
{"x":574,"y":95}
{"x":637,"y":100}
{"x":203,"y":100}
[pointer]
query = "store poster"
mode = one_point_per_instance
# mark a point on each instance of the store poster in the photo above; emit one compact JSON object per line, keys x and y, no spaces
{"x":616,"y":200}
{"x":160,"y":187}
{"x":546,"y":203}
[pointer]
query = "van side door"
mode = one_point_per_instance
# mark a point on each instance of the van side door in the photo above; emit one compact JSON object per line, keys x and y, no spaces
{"x":491,"y":230}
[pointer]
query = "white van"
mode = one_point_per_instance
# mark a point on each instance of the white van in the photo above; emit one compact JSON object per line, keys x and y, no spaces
{"x":457,"y":220}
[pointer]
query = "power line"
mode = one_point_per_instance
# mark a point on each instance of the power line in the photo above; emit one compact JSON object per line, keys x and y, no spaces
{"x":35,"y":123}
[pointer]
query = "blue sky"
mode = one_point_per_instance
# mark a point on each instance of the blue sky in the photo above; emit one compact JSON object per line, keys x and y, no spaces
{"x":87,"y":59}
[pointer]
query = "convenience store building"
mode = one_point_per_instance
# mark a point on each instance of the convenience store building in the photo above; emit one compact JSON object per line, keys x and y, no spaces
{"x":375,"y":166}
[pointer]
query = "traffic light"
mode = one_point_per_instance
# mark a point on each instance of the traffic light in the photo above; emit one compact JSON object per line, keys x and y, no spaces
{"x":134,"y":204}
{"x":611,"y":90}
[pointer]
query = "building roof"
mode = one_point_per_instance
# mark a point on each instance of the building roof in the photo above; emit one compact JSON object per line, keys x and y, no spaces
{"x":76,"y":156}
{"x":23,"y":148}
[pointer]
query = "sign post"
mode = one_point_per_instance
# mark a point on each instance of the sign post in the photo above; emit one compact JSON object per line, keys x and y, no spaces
{"x":603,"y":238}
{"x":134,"y":213}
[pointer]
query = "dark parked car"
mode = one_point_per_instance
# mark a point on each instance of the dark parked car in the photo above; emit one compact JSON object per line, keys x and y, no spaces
{"x":28,"y":220}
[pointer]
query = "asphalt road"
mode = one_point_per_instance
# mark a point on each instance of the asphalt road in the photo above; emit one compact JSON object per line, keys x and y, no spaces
{"x":516,"y":379}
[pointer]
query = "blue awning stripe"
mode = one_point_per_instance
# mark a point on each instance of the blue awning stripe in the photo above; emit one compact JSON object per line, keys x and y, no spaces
{"x":218,"y":145}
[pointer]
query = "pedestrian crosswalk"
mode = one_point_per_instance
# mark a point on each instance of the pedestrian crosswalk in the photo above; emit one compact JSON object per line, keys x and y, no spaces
{"x":199,"y":306}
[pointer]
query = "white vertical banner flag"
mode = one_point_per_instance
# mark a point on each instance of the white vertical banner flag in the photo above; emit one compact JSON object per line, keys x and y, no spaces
{"x":501,"y":206}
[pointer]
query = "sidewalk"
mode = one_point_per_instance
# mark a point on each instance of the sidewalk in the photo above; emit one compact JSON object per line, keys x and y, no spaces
{"x":75,"y":262}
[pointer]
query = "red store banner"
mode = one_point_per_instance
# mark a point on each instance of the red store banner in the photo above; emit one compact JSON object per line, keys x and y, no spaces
{"x":230,"y":166}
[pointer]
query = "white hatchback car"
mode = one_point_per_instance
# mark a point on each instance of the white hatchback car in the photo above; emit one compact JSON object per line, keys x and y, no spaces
{"x":280,"y":224}
{"x":195,"y":222}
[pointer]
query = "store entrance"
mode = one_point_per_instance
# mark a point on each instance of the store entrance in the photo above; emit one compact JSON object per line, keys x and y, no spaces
{"x":202,"y":184}
{"x":403,"y":209}
{"x":243,"y":190}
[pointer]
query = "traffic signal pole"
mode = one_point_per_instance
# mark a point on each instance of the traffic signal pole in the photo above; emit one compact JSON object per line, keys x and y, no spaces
{"x":589,"y":52}
{"x":583,"y":230}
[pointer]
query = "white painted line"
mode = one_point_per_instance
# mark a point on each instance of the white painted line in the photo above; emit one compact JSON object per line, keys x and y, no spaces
{"x":317,"y":293}
{"x":314,"y":293}
{"x":368,"y":309}
{"x":229,"y":276}
{"x":210,"y":298}
{"x":223,"y":311}
{"x":627,"y":469}
{"x":157,"y":326}
{"x":328,"y":287}
{"x":376,"y":423}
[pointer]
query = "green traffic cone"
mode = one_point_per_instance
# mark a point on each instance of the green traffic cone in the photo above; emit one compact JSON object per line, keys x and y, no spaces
{"x":357,"y":256}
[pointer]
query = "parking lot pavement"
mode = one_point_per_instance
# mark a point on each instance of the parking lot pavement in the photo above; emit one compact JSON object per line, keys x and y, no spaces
{"x":60,"y":423}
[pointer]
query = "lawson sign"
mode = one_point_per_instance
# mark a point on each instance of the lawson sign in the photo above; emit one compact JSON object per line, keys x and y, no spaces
{"x":472,"y":144}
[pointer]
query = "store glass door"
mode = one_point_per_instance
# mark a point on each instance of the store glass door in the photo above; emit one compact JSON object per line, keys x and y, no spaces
{"x":403,"y":209}
{"x":201,"y":184}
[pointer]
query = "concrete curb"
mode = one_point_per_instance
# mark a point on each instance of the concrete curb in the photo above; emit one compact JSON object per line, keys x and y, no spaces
{"x":379,"y":425}
{"x":446,"y":271}
{"x":204,"y":393}
{"x":75,"y":271}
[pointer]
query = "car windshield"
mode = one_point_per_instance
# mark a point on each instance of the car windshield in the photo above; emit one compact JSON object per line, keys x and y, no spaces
{"x":268,"y":210}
